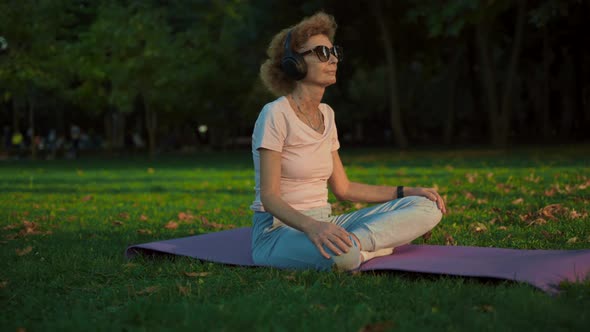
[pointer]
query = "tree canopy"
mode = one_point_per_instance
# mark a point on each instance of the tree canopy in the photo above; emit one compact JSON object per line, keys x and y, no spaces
{"x":416,"y":72}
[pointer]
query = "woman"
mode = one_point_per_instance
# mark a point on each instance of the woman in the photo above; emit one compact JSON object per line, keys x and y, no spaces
{"x":295,"y":151}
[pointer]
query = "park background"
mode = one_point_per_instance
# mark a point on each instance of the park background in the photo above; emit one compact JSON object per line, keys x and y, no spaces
{"x":485,"y":101}
{"x":146,"y":75}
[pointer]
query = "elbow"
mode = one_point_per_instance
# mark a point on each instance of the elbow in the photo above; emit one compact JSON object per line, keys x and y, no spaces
{"x":266,"y":198}
{"x":341,"y":194}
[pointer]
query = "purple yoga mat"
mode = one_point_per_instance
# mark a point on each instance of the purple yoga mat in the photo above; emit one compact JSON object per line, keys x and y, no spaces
{"x":544,"y":269}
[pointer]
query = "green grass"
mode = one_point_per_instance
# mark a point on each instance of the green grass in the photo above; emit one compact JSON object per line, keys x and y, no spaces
{"x":87,"y":212}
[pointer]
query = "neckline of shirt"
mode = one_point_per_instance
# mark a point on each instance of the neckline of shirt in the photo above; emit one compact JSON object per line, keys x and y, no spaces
{"x":293,"y":114}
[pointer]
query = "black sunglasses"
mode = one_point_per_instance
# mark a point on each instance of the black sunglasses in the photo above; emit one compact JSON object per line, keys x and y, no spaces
{"x":323,"y":52}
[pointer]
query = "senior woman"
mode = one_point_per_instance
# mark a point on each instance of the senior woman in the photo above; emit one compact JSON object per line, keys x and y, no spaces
{"x":295,"y":152}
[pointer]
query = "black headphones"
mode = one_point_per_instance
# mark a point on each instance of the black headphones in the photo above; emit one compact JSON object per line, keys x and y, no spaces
{"x":293,"y":63}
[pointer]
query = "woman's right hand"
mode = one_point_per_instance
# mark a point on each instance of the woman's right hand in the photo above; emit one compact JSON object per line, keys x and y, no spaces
{"x":329,"y":235}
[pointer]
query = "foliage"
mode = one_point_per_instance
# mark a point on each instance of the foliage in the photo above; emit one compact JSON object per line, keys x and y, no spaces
{"x":196,"y":62}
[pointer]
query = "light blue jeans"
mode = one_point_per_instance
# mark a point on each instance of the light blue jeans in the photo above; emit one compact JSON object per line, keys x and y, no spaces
{"x":386,"y":225}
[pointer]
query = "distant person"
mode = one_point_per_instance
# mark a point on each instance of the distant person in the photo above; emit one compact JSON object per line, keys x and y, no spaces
{"x":138,"y":142}
{"x":295,"y":153}
{"x":75,"y":137}
{"x":51,"y":144}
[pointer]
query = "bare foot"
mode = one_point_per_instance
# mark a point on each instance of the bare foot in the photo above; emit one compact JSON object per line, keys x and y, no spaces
{"x":368,"y":255}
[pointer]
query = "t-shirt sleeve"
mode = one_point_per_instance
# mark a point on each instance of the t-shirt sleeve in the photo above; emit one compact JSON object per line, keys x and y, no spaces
{"x":270,"y":130}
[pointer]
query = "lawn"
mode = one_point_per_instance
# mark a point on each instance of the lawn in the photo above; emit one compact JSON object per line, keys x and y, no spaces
{"x":64,"y":227}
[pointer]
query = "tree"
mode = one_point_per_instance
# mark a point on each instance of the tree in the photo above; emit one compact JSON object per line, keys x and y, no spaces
{"x":31,"y":65}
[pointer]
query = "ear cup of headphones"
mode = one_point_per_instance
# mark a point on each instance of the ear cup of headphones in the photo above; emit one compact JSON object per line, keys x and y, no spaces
{"x":292,"y":63}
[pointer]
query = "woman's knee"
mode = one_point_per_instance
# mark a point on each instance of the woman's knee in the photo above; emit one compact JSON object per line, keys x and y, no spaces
{"x":431,"y":214}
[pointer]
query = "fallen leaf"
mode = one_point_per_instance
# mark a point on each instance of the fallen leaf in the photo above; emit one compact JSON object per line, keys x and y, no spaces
{"x":124,"y":215}
{"x":208,"y":223}
{"x":471,"y":177}
{"x":86,"y":198}
{"x":550,"y":192}
{"x":576,"y":215}
{"x":533,"y":178}
{"x":449,"y":240}
{"x":183,"y":216}
{"x":117,"y":223}
{"x":143,"y":217}
{"x":3,"y":284}
{"x":502,"y":228}
{"x":572,"y":240}
{"x":11,"y":236}
{"x":71,"y":218}
{"x":29,"y":227}
{"x":537,"y":222}
{"x":504,"y":187}
{"x":427,"y":236}
{"x":183,"y":290}
{"x":469,"y":196}
{"x":151,"y":170}
{"x":24,"y":251}
{"x":21,"y":329}
{"x":551,"y":210}
{"x":196,"y":274}
{"x":377,"y":327}
{"x":36,"y":206}
{"x":485,"y":308}
{"x":518,"y":201}
{"x":584,"y":185}
{"x":171,"y":225}
{"x":11,"y":226}
{"x":478,"y":227}
{"x":144,"y":231}
{"x":148,"y":290}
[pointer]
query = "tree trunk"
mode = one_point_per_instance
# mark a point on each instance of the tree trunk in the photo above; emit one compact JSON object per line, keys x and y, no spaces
{"x":545,"y":88}
{"x":475,"y":90}
{"x":151,"y":120}
{"x":15,"y":116}
{"x":488,"y":80}
{"x":452,"y":77}
{"x":395,"y":111}
{"x":567,"y":95}
{"x":108,"y":131}
{"x":31,"y":104}
{"x":500,"y":106}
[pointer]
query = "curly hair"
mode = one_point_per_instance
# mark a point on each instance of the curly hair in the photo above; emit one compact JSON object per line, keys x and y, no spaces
{"x":271,"y":73}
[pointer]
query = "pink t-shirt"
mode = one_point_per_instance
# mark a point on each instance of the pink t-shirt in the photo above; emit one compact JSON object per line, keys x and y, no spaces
{"x":306,"y":155}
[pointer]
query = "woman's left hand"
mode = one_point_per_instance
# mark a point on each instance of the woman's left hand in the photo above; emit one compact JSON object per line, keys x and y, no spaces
{"x":429,"y":193}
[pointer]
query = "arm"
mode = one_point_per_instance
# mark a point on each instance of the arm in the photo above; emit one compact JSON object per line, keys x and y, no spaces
{"x":345,"y":190}
{"x":321,"y":234}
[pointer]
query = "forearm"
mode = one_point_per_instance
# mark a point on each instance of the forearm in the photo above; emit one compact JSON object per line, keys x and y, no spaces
{"x":360,"y":192}
{"x":276,"y":206}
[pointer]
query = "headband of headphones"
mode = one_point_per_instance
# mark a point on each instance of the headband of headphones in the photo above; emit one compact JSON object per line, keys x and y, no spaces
{"x":293,"y":63}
